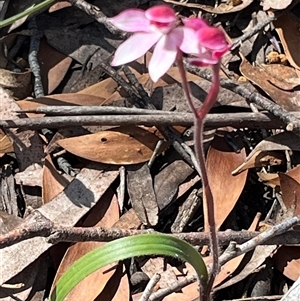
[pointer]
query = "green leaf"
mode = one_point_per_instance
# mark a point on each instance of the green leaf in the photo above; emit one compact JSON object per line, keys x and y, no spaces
{"x":25,"y":13}
{"x":127,"y":247}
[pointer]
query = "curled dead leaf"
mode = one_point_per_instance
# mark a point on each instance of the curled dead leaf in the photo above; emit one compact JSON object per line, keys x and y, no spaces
{"x":260,"y":159}
{"x":18,"y":83}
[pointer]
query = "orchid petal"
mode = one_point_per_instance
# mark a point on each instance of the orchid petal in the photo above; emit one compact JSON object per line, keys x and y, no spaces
{"x":203,"y":59}
{"x":163,"y":57}
{"x":212,"y":38}
{"x":131,"y":20}
{"x":194,"y":23}
{"x":161,"y":13}
{"x":219,"y":53}
{"x":135,"y":47}
{"x":202,"y":62}
{"x":189,"y":42}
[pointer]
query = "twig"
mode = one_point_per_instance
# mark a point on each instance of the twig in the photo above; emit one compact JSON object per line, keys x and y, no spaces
{"x":237,"y":120}
{"x":156,"y":152}
{"x":150,"y":287}
{"x":173,"y":287}
{"x":135,"y":98}
{"x":33,"y":61}
{"x":38,"y":225}
{"x":138,"y":86}
{"x":262,"y":298}
{"x":255,"y":29}
{"x":122,"y":187}
{"x":93,"y":110}
{"x":233,"y":251}
{"x":292,"y":122}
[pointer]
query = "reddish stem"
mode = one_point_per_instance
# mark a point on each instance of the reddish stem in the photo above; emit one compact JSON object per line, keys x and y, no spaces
{"x":198,"y":137}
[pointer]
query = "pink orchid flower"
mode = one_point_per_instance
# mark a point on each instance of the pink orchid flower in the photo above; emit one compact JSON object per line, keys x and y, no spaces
{"x":212,"y":44}
{"x":156,"y":25}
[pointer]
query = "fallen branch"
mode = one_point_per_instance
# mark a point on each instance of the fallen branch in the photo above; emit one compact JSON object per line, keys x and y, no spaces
{"x":38,"y":225}
{"x":236,"y":120}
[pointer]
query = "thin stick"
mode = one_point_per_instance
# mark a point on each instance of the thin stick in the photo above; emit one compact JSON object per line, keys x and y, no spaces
{"x":93,"y":110}
{"x":237,"y":120}
{"x":150,"y":287}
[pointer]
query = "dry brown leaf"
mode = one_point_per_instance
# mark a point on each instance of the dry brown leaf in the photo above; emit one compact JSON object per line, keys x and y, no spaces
{"x":269,"y":178}
{"x":265,"y":151}
{"x":287,"y":261}
{"x":261,"y":159}
{"x":221,"y":161}
{"x":60,"y":100}
{"x":122,"y":145}
{"x":104,"y":214}
{"x":117,"y":287}
{"x":18,"y":83}
{"x":65,"y":210}
{"x":59,"y":5}
{"x":257,"y":257}
{"x":104,"y":89}
{"x":287,"y":99}
{"x":54,"y":66}
{"x":290,"y":189}
{"x":293,"y":173}
{"x":53,"y":182}
{"x":6,"y":146}
{"x":289,"y":34}
{"x":276,"y":4}
{"x":281,"y":76}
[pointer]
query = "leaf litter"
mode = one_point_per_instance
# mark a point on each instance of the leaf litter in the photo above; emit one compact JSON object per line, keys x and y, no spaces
{"x":71,"y":175}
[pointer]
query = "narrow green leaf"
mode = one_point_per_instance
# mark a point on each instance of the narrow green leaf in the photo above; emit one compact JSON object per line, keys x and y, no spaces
{"x":25,"y":13}
{"x":127,"y":247}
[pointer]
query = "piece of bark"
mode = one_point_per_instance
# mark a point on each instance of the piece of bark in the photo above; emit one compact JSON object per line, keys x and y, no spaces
{"x":187,"y":211}
{"x":8,"y":197}
{"x":27,"y":144}
{"x":142,"y":195}
{"x":166,"y":182}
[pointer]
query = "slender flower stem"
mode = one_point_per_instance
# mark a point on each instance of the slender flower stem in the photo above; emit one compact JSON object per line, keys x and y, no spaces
{"x":199,"y":121}
{"x":202,"y":112}
{"x":185,"y":84}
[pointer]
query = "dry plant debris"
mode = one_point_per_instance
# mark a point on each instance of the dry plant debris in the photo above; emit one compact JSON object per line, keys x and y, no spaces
{"x":90,"y":153}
